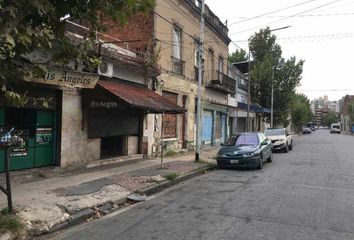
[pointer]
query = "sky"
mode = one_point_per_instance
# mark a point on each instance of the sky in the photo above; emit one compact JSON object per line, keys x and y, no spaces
{"x":321,"y":33}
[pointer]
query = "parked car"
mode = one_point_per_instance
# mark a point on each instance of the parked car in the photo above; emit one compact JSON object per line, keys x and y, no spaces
{"x":335,"y":128}
{"x":280,"y":138}
{"x":249,"y":150}
{"x":306,"y":130}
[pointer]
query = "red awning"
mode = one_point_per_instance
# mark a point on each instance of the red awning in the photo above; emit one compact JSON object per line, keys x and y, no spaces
{"x":138,"y":96}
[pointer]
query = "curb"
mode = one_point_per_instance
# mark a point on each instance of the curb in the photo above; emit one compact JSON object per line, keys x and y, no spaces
{"x":166,"y":184}
{"x":88,"y":213}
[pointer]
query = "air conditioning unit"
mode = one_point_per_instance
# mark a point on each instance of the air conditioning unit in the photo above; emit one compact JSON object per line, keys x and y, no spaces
{"x":105,"y":69}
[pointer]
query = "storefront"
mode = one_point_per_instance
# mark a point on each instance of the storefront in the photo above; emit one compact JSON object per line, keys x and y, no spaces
{"x":214,"y":128}
{"x":114,"y":113}
{"x":37,"y":125}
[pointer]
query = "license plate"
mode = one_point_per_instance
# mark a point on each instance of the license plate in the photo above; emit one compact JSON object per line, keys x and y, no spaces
{"x":234,"y":161}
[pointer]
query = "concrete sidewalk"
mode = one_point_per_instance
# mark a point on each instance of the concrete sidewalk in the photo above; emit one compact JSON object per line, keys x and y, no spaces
{"x":53,"y":203}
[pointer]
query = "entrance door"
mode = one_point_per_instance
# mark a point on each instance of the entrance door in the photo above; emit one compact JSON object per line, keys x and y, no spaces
{"x":207,"y":127}
{"x":37,"y":128}
{"x":223,"y":128}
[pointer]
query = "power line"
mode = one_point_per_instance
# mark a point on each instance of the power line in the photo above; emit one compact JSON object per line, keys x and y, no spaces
{"x":323,"y":90}
{"x":267,"y":13}
{"x":329,"y":36}
{"x":293,"y":15}
{"x":309,"y":15}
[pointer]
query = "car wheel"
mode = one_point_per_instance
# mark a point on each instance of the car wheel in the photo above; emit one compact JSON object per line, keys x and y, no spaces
{"x":286,"y":149}
{"x":260,"y":163}
{"x":291,"y":146}
{"x":270,"y":159}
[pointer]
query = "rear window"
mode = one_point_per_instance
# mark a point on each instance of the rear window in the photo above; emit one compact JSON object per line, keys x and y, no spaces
{"x":274,"y":132}
{"x":336,"y":126}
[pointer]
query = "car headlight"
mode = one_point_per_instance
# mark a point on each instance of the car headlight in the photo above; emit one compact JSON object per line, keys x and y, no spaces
{"x":252,"y":154}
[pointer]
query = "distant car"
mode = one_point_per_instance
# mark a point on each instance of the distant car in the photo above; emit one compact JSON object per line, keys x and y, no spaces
{"x":281,"y":139}
{"x":335,"y":128}
{"x":306,"y":130}
{"x":248,"y":150}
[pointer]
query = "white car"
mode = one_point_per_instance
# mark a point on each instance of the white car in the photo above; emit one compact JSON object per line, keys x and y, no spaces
{"x":335,"y":128}
{"x":280,"y":138}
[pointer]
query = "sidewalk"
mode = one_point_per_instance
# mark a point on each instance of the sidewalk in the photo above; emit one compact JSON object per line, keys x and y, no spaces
{"x":60,"y":200}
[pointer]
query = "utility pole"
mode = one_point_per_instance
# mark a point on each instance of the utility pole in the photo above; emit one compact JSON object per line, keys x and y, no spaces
{"x":200,"y":76}
{"x":249,"y":91}
{"x":272,"y":100}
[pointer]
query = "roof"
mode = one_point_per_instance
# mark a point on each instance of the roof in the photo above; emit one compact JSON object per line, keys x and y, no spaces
{"x":141,"y":97}
{"x":242,"y":66}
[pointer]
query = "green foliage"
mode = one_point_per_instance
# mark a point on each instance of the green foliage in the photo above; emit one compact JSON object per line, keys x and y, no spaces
{"x":300,"y":111}
{"x":238,"y":56}
{"x":26,"y":26}
{"x":330,"y":118}
{"x":11,"y":223}
{"x":171,"y":176}
{"x":171,"y":153}
{"x":269,"y":67}
{"x":351,"y":111}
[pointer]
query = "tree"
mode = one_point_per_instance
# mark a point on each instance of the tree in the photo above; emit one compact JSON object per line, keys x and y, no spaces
{"x":269,"y":67}
{"x":238,"y":56}
{"x":300,"y":111}
{"x":26,"y":26}
{"x":330,"y":118}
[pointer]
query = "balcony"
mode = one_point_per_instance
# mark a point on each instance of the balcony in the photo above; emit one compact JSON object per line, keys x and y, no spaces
{"x":243,"y":86}
{"x":177,"y":66}
{"x":223,"y":83}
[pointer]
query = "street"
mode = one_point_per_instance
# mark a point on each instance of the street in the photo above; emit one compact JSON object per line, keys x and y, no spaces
{"x":307,"y":193}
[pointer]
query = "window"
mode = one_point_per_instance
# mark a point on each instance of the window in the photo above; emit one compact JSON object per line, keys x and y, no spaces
{"x":211,"y":67}
{"x":221,"y":67}
{"x":247,"y":140}
{"x":176,"y":58}
{"x":177,"y":42}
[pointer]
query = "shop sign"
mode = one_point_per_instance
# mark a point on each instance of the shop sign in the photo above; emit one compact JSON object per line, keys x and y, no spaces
{"x":44,"y":135}
{"x":67,"y":78}
{"x":103,"y":104}
{"x":19,"y":152}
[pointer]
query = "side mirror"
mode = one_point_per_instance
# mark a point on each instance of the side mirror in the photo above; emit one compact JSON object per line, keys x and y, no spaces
{"x":264,"y":143}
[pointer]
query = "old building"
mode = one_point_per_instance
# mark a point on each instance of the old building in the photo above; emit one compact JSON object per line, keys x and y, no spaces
{"x":94,"y":116}
{"x":171,"y":33}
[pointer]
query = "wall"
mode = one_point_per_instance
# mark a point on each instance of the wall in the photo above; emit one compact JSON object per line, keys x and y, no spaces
{"x":76,"y":149}
{"x":189,"y":22}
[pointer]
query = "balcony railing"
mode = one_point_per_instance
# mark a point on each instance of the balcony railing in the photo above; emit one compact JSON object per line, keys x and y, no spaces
{"x":223,"y":83}
{"x":243,"y":86}
{"x":177,"y":66}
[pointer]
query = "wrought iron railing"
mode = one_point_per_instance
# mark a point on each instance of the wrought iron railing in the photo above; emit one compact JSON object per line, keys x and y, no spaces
{"x":177,"y":66}
{"x":224,"y":82}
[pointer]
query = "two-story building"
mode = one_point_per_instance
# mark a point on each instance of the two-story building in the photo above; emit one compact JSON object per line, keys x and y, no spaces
{"x":172,"y":33}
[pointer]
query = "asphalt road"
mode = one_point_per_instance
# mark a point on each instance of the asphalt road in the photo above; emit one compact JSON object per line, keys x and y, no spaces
{"x":307,"y":194}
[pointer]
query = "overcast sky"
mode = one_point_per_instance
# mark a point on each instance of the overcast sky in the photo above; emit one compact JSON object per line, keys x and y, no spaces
{"x":321,"y":33}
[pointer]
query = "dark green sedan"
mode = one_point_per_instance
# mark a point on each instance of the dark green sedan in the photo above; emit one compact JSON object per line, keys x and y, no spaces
{"x":249,"y":150}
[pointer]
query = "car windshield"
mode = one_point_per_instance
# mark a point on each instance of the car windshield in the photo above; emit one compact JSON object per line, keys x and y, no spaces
{"x":274,"y":132}
{"x":336,"y":126}
{"x":247,"y":139}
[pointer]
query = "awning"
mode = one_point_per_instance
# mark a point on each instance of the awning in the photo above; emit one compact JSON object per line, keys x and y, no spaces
{"x":138,"y":96}
{"x":253,"y":108}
